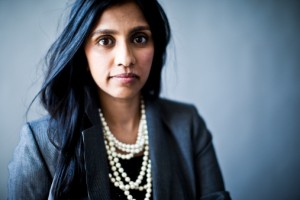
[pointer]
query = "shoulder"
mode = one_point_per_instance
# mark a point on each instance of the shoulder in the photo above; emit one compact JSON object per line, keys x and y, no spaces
{"x":35,"y":135}
{"x":178,"y":111}
{"x":178,"y":117}
{"x":35,"y":130}
{"x":33,"y":164}
{"x":172,"y":106}
{"x":39,"y":124}
{"x":39,"y":129}
{"x":184,"y":123}
{"x":168,"y":103}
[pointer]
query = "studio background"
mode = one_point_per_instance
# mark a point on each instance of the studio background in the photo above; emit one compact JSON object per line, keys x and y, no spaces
{"x":238,"y":61}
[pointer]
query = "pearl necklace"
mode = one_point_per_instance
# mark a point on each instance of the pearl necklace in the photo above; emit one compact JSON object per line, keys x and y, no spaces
{"x":118,"y":176}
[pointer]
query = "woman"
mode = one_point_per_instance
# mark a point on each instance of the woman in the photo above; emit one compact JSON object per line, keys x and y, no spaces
{"x":108,"y":134}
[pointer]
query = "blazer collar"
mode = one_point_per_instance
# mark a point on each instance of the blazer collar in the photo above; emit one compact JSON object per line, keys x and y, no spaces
{"x":96,"y":159}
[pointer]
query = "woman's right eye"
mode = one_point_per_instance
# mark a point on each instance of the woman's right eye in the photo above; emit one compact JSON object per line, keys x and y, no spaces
{"x":105,"y":41}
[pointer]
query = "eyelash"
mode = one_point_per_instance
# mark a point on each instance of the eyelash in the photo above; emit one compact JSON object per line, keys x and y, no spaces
{"x":140,"y":36}
{"x":110,"y":41}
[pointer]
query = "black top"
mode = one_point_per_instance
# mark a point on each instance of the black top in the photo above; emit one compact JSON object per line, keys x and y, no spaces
{"x":132,"y":167}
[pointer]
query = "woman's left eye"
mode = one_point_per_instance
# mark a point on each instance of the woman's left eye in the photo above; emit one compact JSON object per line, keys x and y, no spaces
{"x":141,"y":39}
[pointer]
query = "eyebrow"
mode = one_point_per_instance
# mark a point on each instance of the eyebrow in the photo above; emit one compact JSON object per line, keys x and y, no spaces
{"x":111,"y":31}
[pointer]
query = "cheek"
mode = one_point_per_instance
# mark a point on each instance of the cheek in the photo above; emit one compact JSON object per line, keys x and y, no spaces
{"x":146,"y":58}
{"x":94,"y":68}
{"x":96,"y":61}
{"x":92,"y":59}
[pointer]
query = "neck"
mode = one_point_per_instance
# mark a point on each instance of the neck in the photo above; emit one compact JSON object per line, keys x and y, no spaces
{"x":122,"y":117}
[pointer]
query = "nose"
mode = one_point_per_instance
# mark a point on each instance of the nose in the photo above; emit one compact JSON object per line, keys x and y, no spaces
{"x":124,"y":56}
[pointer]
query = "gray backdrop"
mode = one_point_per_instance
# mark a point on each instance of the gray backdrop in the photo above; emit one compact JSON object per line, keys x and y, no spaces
{"x":237,"y":60}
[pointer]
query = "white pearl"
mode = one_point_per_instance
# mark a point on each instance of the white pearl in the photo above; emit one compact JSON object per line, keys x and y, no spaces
{"x":141,"y":145}
{"x":121,"y":170}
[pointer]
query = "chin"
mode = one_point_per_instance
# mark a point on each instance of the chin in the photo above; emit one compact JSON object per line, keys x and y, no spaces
{"x":119,"y":94}
{"x":126,"y":96}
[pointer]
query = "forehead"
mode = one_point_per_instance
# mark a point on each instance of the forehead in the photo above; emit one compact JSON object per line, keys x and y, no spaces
{"x":118,"y":16}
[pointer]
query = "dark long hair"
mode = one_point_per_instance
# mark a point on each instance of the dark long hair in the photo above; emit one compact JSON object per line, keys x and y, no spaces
{"x":68,"y":87}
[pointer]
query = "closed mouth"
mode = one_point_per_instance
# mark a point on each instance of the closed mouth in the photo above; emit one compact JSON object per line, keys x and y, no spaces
{"x":125,"y":75}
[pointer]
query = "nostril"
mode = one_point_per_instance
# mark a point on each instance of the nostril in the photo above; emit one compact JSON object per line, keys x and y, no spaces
{"x":124,"y":55}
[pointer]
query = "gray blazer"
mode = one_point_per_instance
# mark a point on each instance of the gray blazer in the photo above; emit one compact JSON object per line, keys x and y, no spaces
{"x":184,"y":165}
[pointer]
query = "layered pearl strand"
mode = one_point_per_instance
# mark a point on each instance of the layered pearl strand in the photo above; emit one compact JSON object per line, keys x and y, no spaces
{"x":118,"y":176}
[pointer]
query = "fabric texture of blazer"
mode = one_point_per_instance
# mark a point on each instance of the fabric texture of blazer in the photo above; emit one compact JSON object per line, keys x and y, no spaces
{"x":184,"y":164}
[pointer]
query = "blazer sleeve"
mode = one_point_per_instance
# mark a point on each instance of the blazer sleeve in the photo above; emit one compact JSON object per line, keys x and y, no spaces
{"x":29,"y":177}
{"x":209,"y":179}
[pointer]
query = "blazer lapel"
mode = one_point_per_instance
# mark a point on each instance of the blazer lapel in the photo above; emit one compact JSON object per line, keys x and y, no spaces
{"x":96,"y":165}
{"x":160,"y":160}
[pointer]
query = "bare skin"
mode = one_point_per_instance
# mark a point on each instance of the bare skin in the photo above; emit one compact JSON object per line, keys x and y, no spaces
{"x":119,"y":53}
{"x":123,"y":118}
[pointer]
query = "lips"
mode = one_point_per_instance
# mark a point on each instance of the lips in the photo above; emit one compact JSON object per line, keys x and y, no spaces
{"x":125,"y":76}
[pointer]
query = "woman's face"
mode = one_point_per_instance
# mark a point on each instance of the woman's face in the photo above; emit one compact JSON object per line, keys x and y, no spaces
{"x":120,"y":51}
